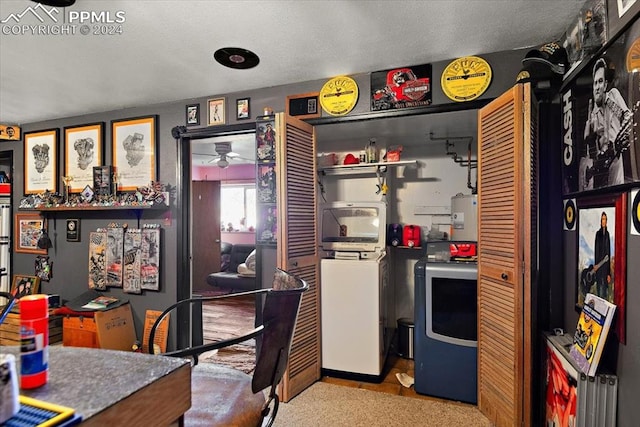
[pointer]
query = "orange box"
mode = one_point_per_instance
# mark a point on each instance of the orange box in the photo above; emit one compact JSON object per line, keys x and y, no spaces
{"x":79,"y":332}
{"x":112,"y":329}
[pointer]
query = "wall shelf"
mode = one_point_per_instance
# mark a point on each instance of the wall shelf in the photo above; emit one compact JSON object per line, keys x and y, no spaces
{"x":92,"y":208}
{"x":364,"y":168}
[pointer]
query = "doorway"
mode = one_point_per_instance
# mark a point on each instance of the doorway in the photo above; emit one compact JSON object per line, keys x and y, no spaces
{"x":223,"y":176}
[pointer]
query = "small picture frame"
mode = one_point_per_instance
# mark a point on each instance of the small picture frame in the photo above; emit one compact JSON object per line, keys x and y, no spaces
{"x":24,"y":285}
{"x":28,"y":228}
{"x":216,"y":111}
{"x":303,"y":106}
{"x":73,"y":230}
{"x":243,"y":108}
{"x":192,"y":112}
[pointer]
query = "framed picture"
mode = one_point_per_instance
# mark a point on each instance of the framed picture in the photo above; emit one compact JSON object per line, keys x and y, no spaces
{"x":193,"y":114}
{"x":73,"y":230}
{"x":83,"y":149}
{"x":216,"y":111}
{"x":134,"y":152}
{"x":24,"y":285}
{"x":28,"y":228}
{"x":303,"y":106}
{"x":619,"y":14}
{"x":41,"y":161}
{"x":602,"y":250}
{"x":243,"y":108}
{"x":10,"y":132}
{"x":605,"y":106}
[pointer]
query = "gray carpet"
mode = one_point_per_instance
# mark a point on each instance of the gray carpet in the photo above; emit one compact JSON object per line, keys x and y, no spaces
{"x":325,"y":404}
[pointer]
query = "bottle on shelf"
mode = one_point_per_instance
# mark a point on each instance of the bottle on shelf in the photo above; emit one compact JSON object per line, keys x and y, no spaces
{"x":372,"y":151}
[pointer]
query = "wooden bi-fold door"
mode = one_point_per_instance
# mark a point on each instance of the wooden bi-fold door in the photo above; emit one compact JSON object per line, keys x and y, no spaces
{"x":297,"y":244}
{"x":507,"y":206}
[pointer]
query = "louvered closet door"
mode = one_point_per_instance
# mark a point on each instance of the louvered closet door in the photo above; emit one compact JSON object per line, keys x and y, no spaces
{"x":297,"y":245}
{"x":505,"y":169}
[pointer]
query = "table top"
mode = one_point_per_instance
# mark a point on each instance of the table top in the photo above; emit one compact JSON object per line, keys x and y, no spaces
{"x":115,"y":386}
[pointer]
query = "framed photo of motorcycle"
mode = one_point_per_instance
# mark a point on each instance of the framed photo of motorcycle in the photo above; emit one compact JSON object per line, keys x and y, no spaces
{"x":602,"y":250}
{"x":601,"y":145}
{"x":41,"y":161}
{"x":83,"y":149}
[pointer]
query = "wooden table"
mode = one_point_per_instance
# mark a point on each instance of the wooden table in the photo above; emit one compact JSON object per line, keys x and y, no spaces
{"x":109,"y":387}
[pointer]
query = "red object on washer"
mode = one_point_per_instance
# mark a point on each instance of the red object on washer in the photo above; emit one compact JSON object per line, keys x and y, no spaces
{"x":463,"y":249}
{"x":411,"y":236}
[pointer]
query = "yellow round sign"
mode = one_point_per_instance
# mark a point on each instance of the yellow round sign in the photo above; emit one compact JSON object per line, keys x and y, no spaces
{"x":339,"y":95}
{"x":466,"y":78}
{"x":633,"y":57}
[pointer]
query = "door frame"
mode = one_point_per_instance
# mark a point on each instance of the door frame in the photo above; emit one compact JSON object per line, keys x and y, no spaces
{"x":183,"y":138}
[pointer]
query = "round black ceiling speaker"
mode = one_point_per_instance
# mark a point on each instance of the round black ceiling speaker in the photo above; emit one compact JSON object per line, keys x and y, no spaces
{"x":235,"y":57}
{"x":56,"y":3}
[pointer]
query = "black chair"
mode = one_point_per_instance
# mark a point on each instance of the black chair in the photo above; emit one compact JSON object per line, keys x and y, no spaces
{"x":226,"y":396}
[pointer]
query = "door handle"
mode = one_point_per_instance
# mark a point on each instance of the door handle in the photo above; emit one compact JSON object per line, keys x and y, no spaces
{"x":504,"y":276}
{"x":217,"y":240}
{"x":294,"y":263}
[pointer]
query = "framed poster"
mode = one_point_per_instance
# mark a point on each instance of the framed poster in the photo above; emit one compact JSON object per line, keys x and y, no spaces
{"x":83,"y":149}
{"x":41,"y":161}
{"x":619,"y":14}
{"x":267,"y":229}
{"x":24,"y":285}
{"x":216,"y":111}
{"x":265,"y":140}
{"x":266,"y":188}
{"x":243,"y":108}
{"x":193,"y":114}
{"x":602,"y":252}
{"x":10,"y":132}
{"x":601,"y":148}
{"x":28,"y":228}
{"x":134,"y":149}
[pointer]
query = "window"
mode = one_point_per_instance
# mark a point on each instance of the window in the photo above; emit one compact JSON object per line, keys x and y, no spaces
{"x":238,"y":207}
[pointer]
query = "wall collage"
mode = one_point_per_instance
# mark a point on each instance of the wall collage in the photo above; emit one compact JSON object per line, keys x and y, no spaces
{"x":601,"y":157}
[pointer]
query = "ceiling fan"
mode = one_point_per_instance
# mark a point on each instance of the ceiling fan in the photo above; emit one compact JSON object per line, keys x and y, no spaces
{"x":224,"y":154}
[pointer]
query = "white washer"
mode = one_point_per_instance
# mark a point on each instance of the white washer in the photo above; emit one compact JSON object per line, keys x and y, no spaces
{"x":354,"y":311}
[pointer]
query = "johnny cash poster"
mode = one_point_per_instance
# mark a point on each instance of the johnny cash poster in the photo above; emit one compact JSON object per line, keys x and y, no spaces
{"x":600,"y":114}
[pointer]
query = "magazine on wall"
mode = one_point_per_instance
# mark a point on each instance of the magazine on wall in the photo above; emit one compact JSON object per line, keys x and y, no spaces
{"x":591,"y":333}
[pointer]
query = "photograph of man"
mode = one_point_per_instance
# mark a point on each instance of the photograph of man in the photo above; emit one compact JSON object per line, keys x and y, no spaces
{"x":602,"y":258}
{"x":607,"y":133}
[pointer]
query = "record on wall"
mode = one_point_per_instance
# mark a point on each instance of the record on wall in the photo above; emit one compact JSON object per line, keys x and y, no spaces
{"x":635,"y":212}
{"x":570,"y":214}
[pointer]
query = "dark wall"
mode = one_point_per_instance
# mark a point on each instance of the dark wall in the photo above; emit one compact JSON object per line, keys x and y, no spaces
{"x":70,"y":259}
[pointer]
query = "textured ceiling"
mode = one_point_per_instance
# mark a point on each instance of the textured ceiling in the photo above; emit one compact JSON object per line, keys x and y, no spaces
{"x":165,"y":50}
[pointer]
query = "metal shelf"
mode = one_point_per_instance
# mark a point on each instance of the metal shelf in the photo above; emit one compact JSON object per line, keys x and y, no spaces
{"x":364,"y":168}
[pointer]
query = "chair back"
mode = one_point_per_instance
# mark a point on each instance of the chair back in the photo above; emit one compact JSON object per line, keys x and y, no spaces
{"x":279,"y":314}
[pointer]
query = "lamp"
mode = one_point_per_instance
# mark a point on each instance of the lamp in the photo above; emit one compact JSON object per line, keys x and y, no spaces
{"x":223,"y":163}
